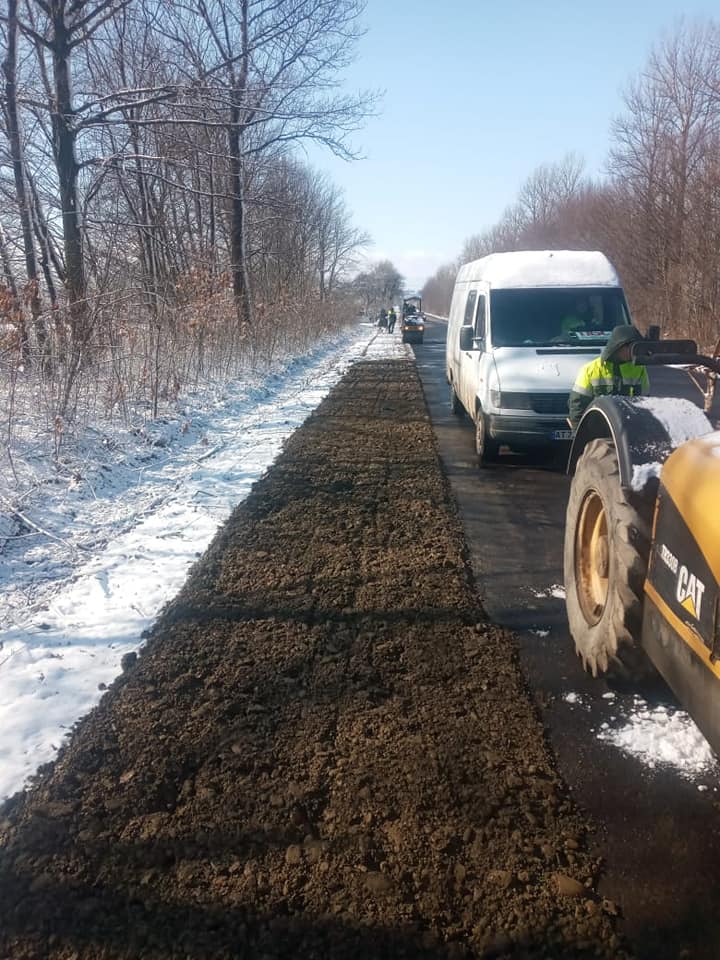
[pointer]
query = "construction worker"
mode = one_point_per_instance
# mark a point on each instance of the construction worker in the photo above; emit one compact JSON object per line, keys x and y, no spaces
{"x":612,"y":373}
{"x":392,"y":318}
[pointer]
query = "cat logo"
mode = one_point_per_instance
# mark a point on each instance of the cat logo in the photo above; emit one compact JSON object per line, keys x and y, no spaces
{"x":690,"y":590}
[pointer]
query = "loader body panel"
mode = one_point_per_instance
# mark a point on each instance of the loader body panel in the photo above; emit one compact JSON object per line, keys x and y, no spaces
{"x":681,"y":619}
{"x":691,"y":477}
{"x":672,"y":651}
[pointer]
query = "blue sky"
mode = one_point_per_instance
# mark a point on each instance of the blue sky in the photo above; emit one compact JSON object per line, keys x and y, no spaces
{"x":478,"y":94}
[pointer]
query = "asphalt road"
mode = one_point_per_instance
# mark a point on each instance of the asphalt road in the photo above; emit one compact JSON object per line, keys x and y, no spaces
{"x":658,"y":833}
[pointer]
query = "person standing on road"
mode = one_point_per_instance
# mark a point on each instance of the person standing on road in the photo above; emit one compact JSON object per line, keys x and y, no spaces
{"x":613,"y":373}
{"x":383,"y":321}
{"x":392,"y":318}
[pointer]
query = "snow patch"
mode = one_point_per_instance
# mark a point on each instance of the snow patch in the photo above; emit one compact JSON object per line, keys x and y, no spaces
{"x":556,"y":590}
{"x":643,"y":473}
{"x":662,"y":736}
{"x":656,"y":735}
{"x":681,"y":419}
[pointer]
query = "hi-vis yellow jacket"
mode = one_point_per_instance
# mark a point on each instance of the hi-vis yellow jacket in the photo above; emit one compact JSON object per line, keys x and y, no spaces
{"x":601,"y":378}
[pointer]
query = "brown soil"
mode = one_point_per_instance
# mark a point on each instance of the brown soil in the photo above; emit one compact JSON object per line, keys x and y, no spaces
{"x":323,"y":750}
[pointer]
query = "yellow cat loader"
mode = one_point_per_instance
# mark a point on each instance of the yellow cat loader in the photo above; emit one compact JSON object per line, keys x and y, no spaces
{"x":642,"y":537}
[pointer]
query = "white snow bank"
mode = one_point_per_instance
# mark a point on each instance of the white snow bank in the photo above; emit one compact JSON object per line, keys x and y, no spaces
{"x":119,"y":538}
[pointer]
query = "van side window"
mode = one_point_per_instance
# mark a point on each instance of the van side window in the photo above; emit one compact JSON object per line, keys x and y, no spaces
{"x":480,"y":320}
{"x":470,"y":308}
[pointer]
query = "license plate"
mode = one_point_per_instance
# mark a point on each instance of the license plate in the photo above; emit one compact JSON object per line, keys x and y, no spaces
{"x":562,"y":435}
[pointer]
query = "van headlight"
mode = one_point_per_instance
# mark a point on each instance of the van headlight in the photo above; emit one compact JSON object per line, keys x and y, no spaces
{"x":494,"y":388}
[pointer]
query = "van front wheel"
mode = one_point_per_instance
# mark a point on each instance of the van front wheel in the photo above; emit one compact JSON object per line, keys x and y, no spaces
{"x":486,"y":449}
{"x":455,"y":405}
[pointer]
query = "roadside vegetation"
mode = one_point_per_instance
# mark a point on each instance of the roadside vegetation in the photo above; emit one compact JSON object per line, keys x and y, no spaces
{"x":157,"y":226}
{"x":655,"y":211}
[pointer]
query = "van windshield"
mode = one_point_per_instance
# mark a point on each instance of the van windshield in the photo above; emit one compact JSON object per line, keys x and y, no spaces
{"x":556,"y":316}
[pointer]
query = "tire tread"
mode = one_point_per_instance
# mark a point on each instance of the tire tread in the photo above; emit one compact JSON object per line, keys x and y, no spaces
{"x":613,"y":644}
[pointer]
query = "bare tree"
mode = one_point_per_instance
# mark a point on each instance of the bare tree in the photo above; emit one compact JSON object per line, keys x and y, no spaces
{"x":339,"y":242}
{"x":437,"y":291}
{"x":266,"y":72}
{"x":657,"y":212}
{"x":661,"y":147}
{"x":14,"y":135}
{"x":58,"y":29}
{"x":546,"y":191}
{"x":151,"y":186}
{"x":379,"y":286}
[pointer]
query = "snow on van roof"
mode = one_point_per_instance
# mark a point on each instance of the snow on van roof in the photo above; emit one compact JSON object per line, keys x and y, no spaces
{"x":542,"y":268}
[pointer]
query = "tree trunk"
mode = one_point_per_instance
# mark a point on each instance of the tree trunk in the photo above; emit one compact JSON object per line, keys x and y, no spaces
{"x":146,"y":229}
{"x":241,"y":284}
{"x":49,"y":254}
{"x":64,"y":135}
{"x":7,"y":271}
{"x":16,"y":153}
{"x":211,"y":216}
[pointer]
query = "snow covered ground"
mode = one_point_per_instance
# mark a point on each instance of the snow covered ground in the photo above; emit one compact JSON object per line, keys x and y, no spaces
{"x":104,"y":545}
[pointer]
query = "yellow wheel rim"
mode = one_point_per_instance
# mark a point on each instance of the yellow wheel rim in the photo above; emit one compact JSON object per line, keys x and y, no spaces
{"x":592,"y":557}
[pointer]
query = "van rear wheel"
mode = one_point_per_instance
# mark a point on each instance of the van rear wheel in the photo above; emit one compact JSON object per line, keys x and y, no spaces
{"x":486,"y":449}
{"x":455,"y":405}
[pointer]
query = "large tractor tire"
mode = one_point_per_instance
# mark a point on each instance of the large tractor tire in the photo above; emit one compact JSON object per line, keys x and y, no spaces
{"x":487,"y":450}
{"x":607,"y":547}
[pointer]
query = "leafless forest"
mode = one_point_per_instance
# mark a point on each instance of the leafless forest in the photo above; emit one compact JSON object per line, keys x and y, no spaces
{"x":156,"y":224}
{"x":656,"y":212}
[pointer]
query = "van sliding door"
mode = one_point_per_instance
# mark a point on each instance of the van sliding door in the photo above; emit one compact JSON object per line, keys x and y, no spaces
{"x":468,"y":358}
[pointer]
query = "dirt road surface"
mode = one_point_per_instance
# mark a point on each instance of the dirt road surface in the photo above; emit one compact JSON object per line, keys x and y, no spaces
{"x":323,"y":751}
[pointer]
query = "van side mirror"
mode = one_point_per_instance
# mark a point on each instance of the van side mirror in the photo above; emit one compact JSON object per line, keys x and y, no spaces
{"x":653,"y":331}
{"x":646,"y":351}
{"x":467,"y":338}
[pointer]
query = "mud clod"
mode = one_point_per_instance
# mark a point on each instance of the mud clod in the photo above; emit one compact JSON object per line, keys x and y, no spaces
{"x":324,"y":750}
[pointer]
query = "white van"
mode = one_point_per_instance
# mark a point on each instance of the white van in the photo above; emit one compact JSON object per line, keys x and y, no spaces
{"x":520,"y":326}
